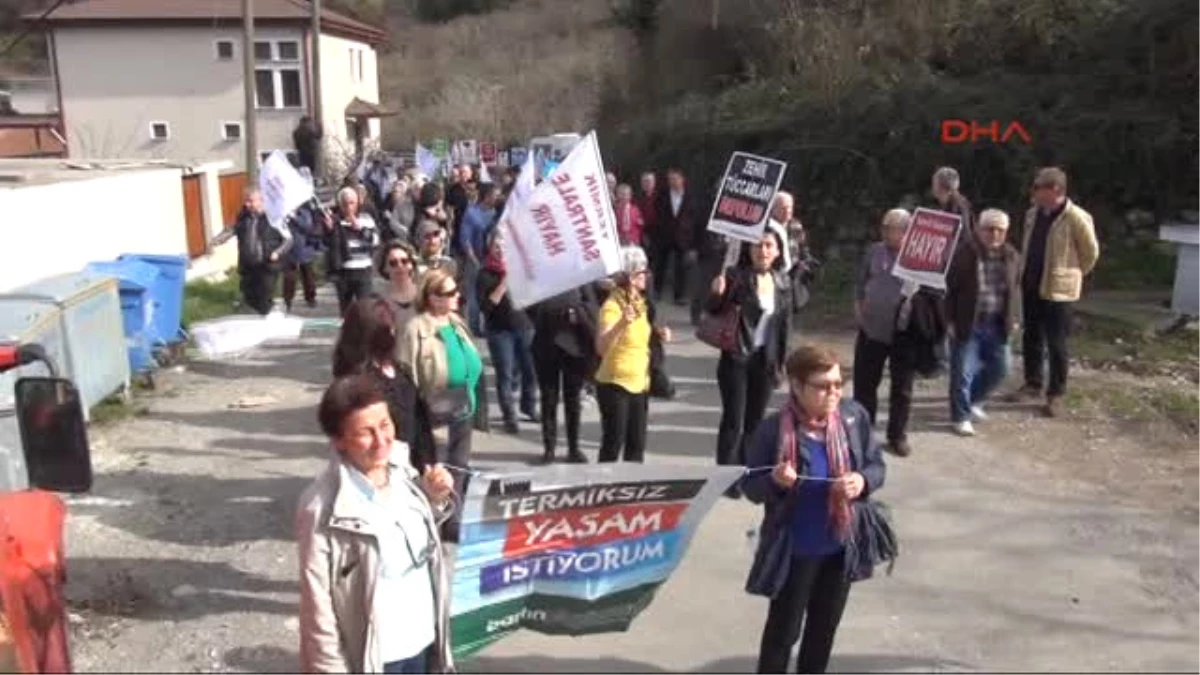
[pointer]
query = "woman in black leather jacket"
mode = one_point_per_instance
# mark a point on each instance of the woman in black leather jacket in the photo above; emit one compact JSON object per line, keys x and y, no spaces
{"x":564,"y":357}
{"x":760,"y":288}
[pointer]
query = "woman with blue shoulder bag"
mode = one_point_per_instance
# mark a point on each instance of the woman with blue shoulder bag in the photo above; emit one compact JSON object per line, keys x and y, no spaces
{"x":813,"y":466}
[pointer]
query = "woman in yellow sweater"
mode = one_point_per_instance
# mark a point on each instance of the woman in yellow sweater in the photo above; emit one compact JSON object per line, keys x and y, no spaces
{"x":623,"y":344}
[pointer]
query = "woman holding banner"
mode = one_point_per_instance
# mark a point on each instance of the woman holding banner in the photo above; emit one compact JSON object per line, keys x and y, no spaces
{"x":755,"y":298}
{"x":626,"y":330}
{"x":437,"y":353}
{"x":812,"y":466}
{"x":374,"y":586}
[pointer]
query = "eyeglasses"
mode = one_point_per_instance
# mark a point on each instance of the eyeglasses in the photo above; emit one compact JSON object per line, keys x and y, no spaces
{"x":397,"y":262}
{"x":827,"y":387}
{"x":447,"y":293}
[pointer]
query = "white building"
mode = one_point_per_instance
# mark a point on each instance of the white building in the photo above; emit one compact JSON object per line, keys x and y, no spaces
{"x":163,"y":79}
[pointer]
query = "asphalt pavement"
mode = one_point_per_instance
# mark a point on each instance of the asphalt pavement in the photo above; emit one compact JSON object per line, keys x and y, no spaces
{"x":182,"y":558}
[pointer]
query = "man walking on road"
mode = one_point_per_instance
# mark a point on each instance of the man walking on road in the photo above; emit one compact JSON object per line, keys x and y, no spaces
{"x":944,"y":187}
{"x":260,"y":251}
{"x":1060,"y":248}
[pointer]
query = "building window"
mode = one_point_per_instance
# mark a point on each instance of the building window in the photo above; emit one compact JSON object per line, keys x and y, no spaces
{"x":224,"y":50}
{"x":231,"y":131}
{"x":288,"y":50}
{"x":277,"y":77}
{"x":356,"y":65}
{"x":160,"y":131}
{"x":360,"y":65}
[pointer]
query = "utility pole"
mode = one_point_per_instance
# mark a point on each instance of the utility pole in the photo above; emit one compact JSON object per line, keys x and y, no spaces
{"x":250,"y":133}
{"x":315,"y":59}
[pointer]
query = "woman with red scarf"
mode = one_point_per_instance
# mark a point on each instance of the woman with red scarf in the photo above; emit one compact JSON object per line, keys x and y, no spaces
{"x":509,"y":339}
{"x":811,"y":466}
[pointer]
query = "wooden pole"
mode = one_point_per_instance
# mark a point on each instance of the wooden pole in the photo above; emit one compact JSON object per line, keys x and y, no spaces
{"x":315,"y":59}
{"x":251,"y":131}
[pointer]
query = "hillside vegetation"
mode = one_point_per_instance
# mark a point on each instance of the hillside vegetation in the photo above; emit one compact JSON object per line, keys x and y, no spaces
{"x":850,"y":92}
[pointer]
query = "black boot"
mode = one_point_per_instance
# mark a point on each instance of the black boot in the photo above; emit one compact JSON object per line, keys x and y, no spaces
{"x":547,"y":457}
{"x":576,"y":457}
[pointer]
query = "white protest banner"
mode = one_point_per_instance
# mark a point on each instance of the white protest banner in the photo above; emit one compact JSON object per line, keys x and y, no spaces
{"x":283,"y":188}
{"x":427,"y":161}
{"x":574,"y":550}
{"x":487,"y":152}
{"x":928,"y":248}
{"x":484,"y":175}
{"x":747,"y":191}
{"x":564,"y":234}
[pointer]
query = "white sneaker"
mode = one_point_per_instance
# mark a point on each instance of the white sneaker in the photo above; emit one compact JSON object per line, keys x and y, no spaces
{"x":964,"y":428}
{"x":978,"y":414}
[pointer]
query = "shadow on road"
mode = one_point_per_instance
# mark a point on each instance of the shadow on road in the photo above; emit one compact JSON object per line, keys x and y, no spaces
{"x":197,"y":510}
{"x":262,"y":659}
{"x":844,"y":663}
{"x":170,"y":589}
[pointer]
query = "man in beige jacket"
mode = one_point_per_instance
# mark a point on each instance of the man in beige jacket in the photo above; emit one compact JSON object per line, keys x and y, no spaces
{"x":1060,"y":249}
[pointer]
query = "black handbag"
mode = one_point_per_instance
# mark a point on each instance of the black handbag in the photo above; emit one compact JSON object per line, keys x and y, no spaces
{"x":448,"y":406}
{"x":872,"y":540}
{"x":661,"y":385}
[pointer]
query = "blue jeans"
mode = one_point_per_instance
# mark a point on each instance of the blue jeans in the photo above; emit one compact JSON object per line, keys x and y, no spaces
{"x":512,"y":357}
{"x":977,"y":365}
{"x":413,"y":665}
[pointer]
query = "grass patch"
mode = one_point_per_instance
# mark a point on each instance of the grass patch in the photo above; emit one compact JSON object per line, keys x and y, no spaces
{"x":1109,"y":342}
{"x":204,"y":300}
{"x":114,"y":409}
{"x":1135,"y":266}
{"x":1178,"y":405}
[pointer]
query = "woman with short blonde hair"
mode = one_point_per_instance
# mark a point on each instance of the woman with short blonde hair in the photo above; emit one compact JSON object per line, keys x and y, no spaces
{"x":439,"y":356}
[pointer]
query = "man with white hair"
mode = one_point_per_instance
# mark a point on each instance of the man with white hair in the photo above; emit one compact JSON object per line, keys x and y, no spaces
{"x":946,"y":197}
{"x":261,"y":248}
{"x":981,"y":310}
{"x":878,"y":298}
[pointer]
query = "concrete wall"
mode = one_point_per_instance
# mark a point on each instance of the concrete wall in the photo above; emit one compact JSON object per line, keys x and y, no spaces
{"x":61,"y":226}
{"x":117,"y":80}
{"x":340,"y":85}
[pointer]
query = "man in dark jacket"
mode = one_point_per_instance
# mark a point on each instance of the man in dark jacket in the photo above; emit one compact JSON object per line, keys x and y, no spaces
{"x":946,"y":197}
{"x":306,"y":246}
{"x":261,"y":249}
{"x":981,"y":308}
{"x":307,"y":139}
{"x":674,"y":239}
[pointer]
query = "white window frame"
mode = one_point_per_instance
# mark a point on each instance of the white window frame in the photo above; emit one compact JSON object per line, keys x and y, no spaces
{"x":277,"y":66}
{"x":232,"y":49}
{"x":225,"y":130}
{"x":166,"y":125}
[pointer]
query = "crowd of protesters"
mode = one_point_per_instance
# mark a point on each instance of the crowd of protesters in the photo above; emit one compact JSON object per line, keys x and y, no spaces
{"x":419,"y":273}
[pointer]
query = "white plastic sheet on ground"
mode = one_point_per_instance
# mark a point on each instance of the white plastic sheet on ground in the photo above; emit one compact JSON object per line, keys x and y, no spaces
{"x":234,"y":335}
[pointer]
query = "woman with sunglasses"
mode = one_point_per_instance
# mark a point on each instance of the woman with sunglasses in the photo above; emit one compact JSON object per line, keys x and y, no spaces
{"x":623,"y":344}
{"x":437,"y":353}
{"x":374,"y":586}
{"x":759,"y":289}
{"x":810,"y":464}
{"x":398,"y":266}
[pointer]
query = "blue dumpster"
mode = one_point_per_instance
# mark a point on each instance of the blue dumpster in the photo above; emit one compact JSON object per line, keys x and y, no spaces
{"x":167,"y":292}
{"x":136,"y":280}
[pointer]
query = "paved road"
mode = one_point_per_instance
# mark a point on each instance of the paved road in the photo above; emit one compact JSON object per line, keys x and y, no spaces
{"x":182,"y":559}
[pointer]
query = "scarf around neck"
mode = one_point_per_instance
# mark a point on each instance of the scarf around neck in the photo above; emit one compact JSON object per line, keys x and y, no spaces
{"x":837,"y":449}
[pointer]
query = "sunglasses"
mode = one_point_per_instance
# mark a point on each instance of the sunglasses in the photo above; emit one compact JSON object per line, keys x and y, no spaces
{"x":829,"y":387}
{"x":446,"y":294}
{"x":397,"y":262}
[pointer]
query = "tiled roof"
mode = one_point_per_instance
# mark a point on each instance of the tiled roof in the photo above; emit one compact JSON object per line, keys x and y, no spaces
{"x":104,"y":11}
